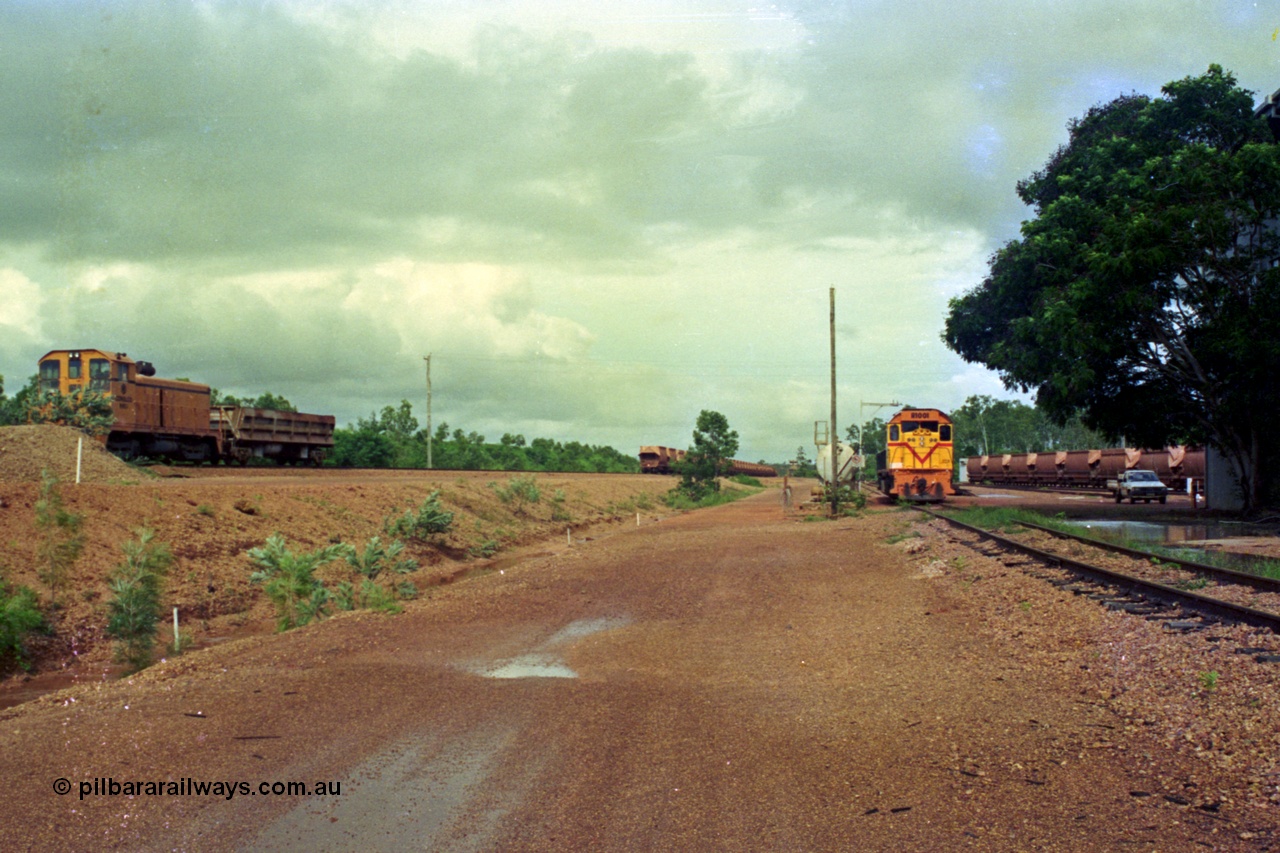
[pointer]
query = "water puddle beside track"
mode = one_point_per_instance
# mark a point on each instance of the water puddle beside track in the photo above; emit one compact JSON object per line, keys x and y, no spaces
{"x":1170,"y":533}
{"x":1189,"y":540}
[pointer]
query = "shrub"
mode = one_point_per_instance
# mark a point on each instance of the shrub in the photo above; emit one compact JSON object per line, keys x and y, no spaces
{"x":133,"y":613}
{"x":19,"y":616}
{"x":558,"y":511}
{"x":60,"y":540}
{"x":88,"y":411}
{"x":290,"y":582}
{"x":369,"y":596}
{"x":851,"y":500}
{"x":376,"y":559}
{"x":375,"y":597}
{"x":486,"y":549}
{"x":431,"y":519}
{"x":519,"y":491}
{"x":372,"y":562}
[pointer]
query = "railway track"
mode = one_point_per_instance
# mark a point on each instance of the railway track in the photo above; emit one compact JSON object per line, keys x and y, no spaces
{"x":1189,"y":596}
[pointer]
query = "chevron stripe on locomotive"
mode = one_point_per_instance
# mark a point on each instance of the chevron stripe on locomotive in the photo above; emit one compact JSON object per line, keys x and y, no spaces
{"x":918,"y":460}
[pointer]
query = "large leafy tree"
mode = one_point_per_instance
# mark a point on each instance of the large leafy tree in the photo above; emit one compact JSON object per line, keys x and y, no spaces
{"x":1145,"y":292}
{"x":713,"y":447}
{"x":713,"y":442}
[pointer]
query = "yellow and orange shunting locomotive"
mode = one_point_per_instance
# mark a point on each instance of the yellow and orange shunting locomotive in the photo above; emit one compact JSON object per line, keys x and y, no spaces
{"x":918,"y":461}
{"x":174,"y":418}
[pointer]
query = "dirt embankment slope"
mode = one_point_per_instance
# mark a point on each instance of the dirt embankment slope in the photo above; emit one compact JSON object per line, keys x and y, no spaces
{"x":210,"y":518}
{"x":734,"y":679}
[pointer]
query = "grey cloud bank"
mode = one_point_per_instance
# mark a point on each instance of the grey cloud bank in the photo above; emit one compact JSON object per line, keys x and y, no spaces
{"x":599,"y":218}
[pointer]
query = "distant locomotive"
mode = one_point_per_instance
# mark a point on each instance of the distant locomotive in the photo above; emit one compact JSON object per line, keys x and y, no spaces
{"x":916,"y":464}
{"x":173,"y":419}
{"x":1177,"y":467}
{"x":665,"y":460}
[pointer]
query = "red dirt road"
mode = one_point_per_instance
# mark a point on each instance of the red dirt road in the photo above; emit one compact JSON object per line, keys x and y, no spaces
{"x":730,"y":679}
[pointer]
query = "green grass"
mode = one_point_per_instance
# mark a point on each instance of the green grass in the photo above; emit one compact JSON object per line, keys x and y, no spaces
{"x":678,"y":500}
{"x":1218,"y":560}
{"x":1008,"y":519}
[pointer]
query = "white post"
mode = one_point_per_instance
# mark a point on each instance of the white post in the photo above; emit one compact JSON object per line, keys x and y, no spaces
{"x":568,"y":535}
{"x":79,"y":455}
{"x":637,"y":519}
{"x":177,"y":639}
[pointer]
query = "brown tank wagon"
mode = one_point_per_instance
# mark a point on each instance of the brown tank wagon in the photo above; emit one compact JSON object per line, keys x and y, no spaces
{"x":173,"y":419}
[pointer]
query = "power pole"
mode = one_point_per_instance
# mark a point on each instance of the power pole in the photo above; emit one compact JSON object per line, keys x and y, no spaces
{"x":427,"y":359}
{"x":835,"y":441}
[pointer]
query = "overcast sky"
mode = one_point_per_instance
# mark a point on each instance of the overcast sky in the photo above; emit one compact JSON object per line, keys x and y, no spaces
{"x":599,"y":217}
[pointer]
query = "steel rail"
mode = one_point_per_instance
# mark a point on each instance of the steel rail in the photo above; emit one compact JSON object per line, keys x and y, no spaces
{"x":1150,"y":590}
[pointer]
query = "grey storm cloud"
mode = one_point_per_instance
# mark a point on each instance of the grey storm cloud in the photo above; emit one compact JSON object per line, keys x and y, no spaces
{"x":600,"y":218}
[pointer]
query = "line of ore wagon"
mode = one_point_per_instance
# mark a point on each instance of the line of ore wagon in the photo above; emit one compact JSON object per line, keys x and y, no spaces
{"x":1089,"y":469}
{"x":662,"y":460}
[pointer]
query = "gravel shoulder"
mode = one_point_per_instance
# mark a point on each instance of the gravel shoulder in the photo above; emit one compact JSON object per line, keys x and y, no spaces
{"x":743,"y":680}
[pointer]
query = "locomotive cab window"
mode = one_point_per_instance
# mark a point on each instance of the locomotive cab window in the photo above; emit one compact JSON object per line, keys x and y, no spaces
{"x":944,"y":432}
{"x":99,"y":374}
{"x":910,"y":427}
{"x":893,"y":432}
{"x":73,"y":367}
{"x":50,"y":373}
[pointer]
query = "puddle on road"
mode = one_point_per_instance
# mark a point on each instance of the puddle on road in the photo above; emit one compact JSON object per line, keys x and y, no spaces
{"x":545,"y":664}
{"x":579,"y":628}
{"x":529,"y":666}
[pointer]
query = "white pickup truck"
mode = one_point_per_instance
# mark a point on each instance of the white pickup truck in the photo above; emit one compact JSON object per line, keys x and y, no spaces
{"x":1138,"y":485}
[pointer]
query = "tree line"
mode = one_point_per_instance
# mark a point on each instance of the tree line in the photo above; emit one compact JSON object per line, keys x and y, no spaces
{"x":392,"y":439}
{"x":387,"y":439}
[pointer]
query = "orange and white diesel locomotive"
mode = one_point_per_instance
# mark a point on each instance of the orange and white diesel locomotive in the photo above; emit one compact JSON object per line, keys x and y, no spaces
{"x":918,"y":461}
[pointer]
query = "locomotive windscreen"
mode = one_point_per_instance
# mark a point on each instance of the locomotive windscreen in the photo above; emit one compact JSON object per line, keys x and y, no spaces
{"x":912,"y":426}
